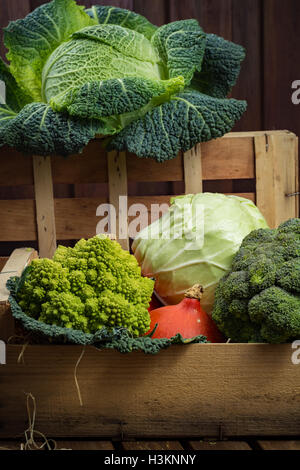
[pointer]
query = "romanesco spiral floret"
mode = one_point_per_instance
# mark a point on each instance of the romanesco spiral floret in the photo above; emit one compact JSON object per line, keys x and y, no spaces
{"x":64,"y":309}
{"x":99,"y":283}
{"x":259,"y":300}
{"x":44,"y":276}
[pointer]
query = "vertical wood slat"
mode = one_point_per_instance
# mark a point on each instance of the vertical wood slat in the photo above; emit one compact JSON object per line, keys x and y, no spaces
{"x":18,"y":260}
{"x":276,"y":176}
{"x":193,"y":170}
{"x":45,"y":215}
{"x":117,"y":183}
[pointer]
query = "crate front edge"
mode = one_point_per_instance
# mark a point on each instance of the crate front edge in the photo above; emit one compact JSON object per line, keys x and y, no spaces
{"x":184,"y":391}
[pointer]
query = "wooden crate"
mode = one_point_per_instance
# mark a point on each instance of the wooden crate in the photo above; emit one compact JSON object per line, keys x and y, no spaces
{"x":268,"y":160}
{"x":190,"y":391}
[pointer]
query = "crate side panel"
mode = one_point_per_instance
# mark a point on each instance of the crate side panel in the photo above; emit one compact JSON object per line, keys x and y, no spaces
{"x":182,"y":392}
{"x":224,"y":158}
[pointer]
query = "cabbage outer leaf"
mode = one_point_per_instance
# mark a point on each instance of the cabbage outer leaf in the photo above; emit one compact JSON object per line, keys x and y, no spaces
{"x":190,"y":117}
{"x":115,"y":97}
{"x":127,"y":19}
{"x":15,"y":97}
{"x":31,"y":40}
{"x":37,"y":129}
{"x":181,"y":45}
{"x":220,"y":68}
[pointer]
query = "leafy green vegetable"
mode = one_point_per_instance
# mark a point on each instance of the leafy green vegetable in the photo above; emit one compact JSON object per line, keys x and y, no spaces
{"x":111,"y":338}
{"x":194,"y":243}
{"x":259,"y":299}
{"x":77,"y":73}
{"x":94,"y":285}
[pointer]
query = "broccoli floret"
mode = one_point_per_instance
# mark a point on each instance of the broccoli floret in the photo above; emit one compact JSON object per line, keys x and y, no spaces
{"x":262,"y":273}
{"x":235,"y":284}
{"x":288,"y":275}
{"x":259,"y":300}
{"x":101,"y":280}
{"x":277,"y":313}
{"x":231,"y":321}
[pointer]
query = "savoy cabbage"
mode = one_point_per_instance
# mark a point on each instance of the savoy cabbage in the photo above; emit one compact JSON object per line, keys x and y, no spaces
{"x":75,"y":73}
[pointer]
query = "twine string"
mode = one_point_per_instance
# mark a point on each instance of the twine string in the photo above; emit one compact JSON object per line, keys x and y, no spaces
{"x":75,"y":376}
{"x":31,"y":432}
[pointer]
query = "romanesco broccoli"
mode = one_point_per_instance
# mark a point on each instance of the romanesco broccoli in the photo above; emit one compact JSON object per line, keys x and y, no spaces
{"x":96,"y":284}
{"x":259,"y":300}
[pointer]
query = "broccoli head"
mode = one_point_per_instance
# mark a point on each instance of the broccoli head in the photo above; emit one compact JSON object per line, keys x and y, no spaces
{"x":96,"y":284}
{"x":259,"y":299}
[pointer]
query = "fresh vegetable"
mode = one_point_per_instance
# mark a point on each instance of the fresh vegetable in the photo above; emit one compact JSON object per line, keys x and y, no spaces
{"x":96,"y":284}
{"x":259,"y":299}
{"x":195,"y":241}
{"x":75,"y":73}
{"x":187,"y":318}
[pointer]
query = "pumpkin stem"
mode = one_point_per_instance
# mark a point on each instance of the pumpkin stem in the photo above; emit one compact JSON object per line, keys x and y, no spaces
{"x":194,"y":292}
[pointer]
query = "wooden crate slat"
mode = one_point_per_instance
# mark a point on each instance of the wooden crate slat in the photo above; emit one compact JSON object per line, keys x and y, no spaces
{"x":246,"y":390}
{"x":276,"y":176}
{"x":117,"y":181}
{"x":91,"y":167}
{"x":84,"y":445}
{"x":231,"y":135}
{"x":18,"y":260}
{"x":18,"y":222}
{"x":45,"y":215}
{"x":227,"y":158}
{"x":219,"y":445}
{"x":75,"y":217}
{"x":193,"y":175}
{"x":224,"y":158}
{"x":3,"y":261}
{"x":279,"y":445}
{"x":151,"y":445}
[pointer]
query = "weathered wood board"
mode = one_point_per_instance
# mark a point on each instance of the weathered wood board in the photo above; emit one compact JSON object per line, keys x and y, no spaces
{"x":185,"y":391}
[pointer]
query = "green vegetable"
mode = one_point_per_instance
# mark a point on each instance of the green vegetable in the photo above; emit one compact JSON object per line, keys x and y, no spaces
{"x":96,"y":284}
{"x":77,"y":73}
{"x":259,"y":299}
{"x":194,"y":243}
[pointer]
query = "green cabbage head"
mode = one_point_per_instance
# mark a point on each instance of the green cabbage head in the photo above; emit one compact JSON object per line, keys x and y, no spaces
{"x":75,"y":73}
{"x":194,"y":243}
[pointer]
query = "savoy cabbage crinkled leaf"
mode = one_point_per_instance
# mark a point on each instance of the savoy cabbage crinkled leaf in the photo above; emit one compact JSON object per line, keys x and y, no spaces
{"x":75,"y":73}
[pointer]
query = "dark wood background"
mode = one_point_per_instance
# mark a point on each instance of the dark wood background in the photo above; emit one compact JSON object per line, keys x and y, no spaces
{"x":268,"y":29}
